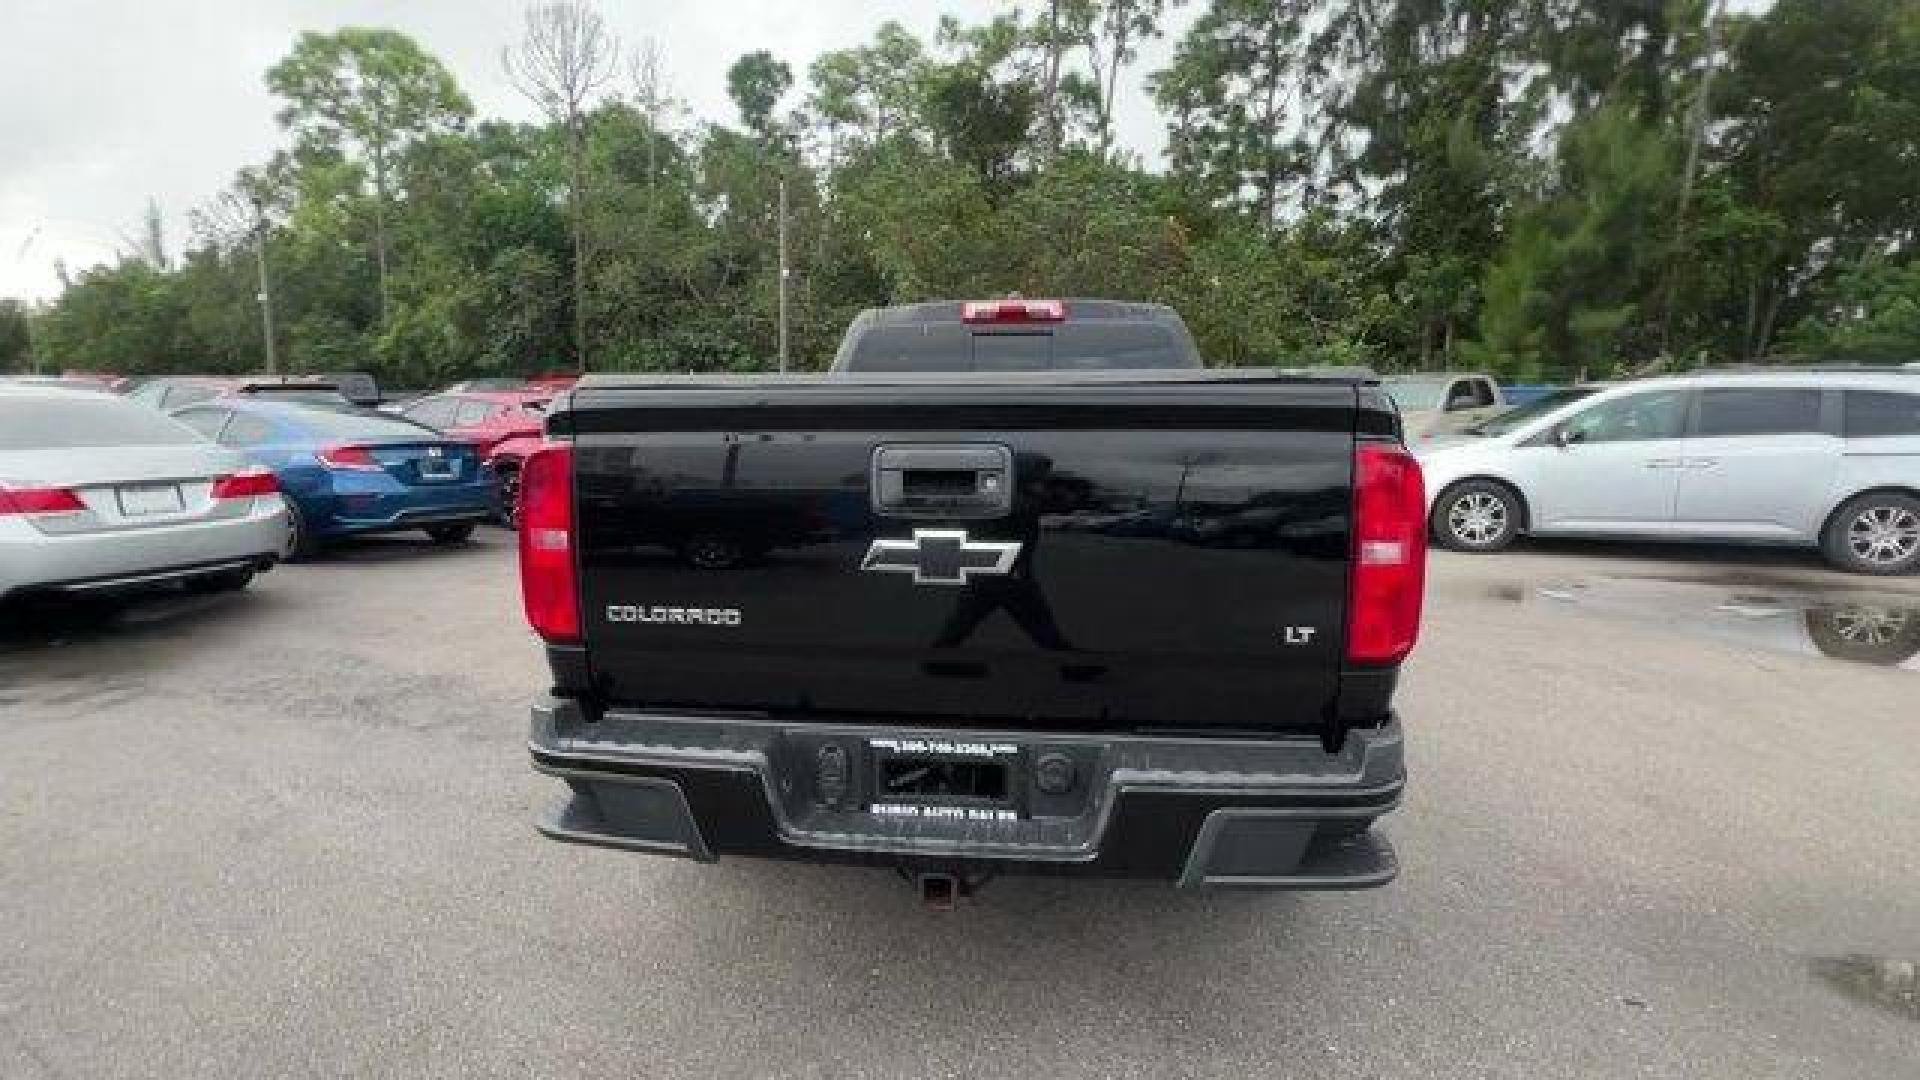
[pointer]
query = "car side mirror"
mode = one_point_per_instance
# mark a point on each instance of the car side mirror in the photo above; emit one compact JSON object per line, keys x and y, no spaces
{"x":1564,"y":437}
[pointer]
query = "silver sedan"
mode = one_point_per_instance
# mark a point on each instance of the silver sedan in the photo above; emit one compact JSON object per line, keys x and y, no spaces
{"x":98,"y":494}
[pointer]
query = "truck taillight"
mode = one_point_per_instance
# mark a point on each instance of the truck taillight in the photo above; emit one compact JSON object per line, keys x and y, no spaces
{"x":1389,"y":555}
{"x":246,"y":484}
{"x":39,"y":501}
{"x":1013,"y":311}
{"x":548,"y":583}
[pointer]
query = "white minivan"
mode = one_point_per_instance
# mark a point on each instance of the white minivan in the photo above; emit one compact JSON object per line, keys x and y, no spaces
{"x":1814,"y":458}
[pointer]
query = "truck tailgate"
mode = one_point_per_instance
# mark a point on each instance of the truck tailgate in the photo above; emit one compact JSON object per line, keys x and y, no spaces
{"x":1170,"y":556}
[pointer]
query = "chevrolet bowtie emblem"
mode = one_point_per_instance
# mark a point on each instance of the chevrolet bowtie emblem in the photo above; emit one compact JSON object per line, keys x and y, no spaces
{"x":941,"y":557}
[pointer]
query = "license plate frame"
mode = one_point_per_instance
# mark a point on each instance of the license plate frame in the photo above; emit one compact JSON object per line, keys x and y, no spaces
{"x":149,"y":500}
{"x":964,"y":779}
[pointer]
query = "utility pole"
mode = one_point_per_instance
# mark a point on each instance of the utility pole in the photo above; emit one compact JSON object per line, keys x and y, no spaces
{"x":783,"y":276}
{"x":32,"y":315}
{"x":265,"y":296}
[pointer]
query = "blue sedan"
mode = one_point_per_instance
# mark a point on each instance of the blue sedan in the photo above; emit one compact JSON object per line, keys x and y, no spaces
{"x":346,"y":471}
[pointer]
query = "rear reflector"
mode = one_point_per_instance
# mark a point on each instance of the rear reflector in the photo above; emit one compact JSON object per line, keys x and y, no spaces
{"x":1013,"y":311}
{"x":1389,"y":555}
{"x":246,"y":485}
{"x":40,"y":501}
{"x":548,"y":584}
{"x":348,"y":459}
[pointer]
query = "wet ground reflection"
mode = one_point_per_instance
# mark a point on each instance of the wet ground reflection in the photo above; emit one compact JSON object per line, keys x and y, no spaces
{"x":1891,"y":984}
{"x":1860,"y":628}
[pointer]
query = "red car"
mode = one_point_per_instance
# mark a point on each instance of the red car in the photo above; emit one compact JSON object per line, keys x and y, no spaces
{"x":504,"y":425}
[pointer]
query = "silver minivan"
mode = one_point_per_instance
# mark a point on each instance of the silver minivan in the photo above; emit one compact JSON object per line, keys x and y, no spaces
{"x":1827,"y":459}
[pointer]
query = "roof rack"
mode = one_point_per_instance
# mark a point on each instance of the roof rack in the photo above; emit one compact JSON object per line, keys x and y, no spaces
{"x":270,"y":387}
{"x":1359,"y":372}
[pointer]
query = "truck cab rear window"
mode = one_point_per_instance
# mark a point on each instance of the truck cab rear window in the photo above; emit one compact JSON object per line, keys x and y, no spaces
{"x":956,"y":347}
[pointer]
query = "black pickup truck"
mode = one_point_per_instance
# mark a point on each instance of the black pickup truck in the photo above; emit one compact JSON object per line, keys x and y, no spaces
{"x":1132,"y":623}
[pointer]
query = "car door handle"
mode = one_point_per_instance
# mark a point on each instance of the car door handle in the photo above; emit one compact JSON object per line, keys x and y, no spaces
{"x":1666,"y":463}
{"x":1703,"y":463}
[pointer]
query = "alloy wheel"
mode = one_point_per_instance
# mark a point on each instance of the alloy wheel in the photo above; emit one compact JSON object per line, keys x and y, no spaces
{"x":1884,"y":535}
{"x":1477,"y":518}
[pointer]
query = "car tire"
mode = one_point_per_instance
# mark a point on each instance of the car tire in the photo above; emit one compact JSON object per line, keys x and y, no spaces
{"x":1877,"y":533}
{"x":509,"y":473}
{"x":302,"y":544}
{"x":451,"y":534}
{"x":1477,"y":515}
{"x":224,"y":581}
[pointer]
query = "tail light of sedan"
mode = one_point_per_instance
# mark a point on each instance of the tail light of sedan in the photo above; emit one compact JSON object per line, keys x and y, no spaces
{"x":348,"y":459}
{"x":246,"y":484}
{"x":24,"y":501}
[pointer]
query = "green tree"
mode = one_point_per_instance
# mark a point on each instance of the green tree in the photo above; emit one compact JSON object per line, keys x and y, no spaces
{"x":1111,"y":34}
{"x":1821,"y":111}
{"x":756,"y":82}
{"x":1231,"y":137}
{"x":1576,"y":287}
{"x":16,"y":335}
{"x":126,"y":318}
{"x":866,"y":95}
{"x":564,"y":58}
{"x":370,"y":93}
{"x":1871,"y":313}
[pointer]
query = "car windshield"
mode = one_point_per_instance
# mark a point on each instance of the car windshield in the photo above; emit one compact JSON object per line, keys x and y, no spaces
{"x":64,"y":384}
{"x":84,"y":421}
{"x":1416,"y":394}
{"x":356,"y":425}
{"x":1516,"y":418}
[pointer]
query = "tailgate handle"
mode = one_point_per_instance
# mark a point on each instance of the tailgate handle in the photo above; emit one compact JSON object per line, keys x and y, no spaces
{"x":943,"y":480}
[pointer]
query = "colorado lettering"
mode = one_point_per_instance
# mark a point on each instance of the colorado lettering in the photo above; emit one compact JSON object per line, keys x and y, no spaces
{"x":672,"y":616}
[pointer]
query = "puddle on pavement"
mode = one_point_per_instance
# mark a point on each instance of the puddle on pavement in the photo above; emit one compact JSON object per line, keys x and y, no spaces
{"x":1875,"y":980}
{"x":1857,"y":628}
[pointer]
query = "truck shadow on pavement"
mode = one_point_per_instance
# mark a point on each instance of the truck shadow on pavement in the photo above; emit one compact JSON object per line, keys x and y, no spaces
{"x":850,"y":951}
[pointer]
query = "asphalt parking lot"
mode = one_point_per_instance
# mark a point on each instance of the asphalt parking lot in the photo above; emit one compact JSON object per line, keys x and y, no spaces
{"x":1654,"y":829}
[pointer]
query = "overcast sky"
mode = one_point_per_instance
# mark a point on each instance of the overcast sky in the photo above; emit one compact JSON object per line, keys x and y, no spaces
{"x":108,"y":103}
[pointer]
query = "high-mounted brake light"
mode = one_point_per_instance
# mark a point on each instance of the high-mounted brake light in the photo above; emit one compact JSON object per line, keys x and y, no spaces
{"x":246,"y":484}
{"x":1013,"y":311}
{"x":1389,"y":555}
{"x":548,"y":583}
{"x":348,"y":459}
{"x":40,"y":501}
